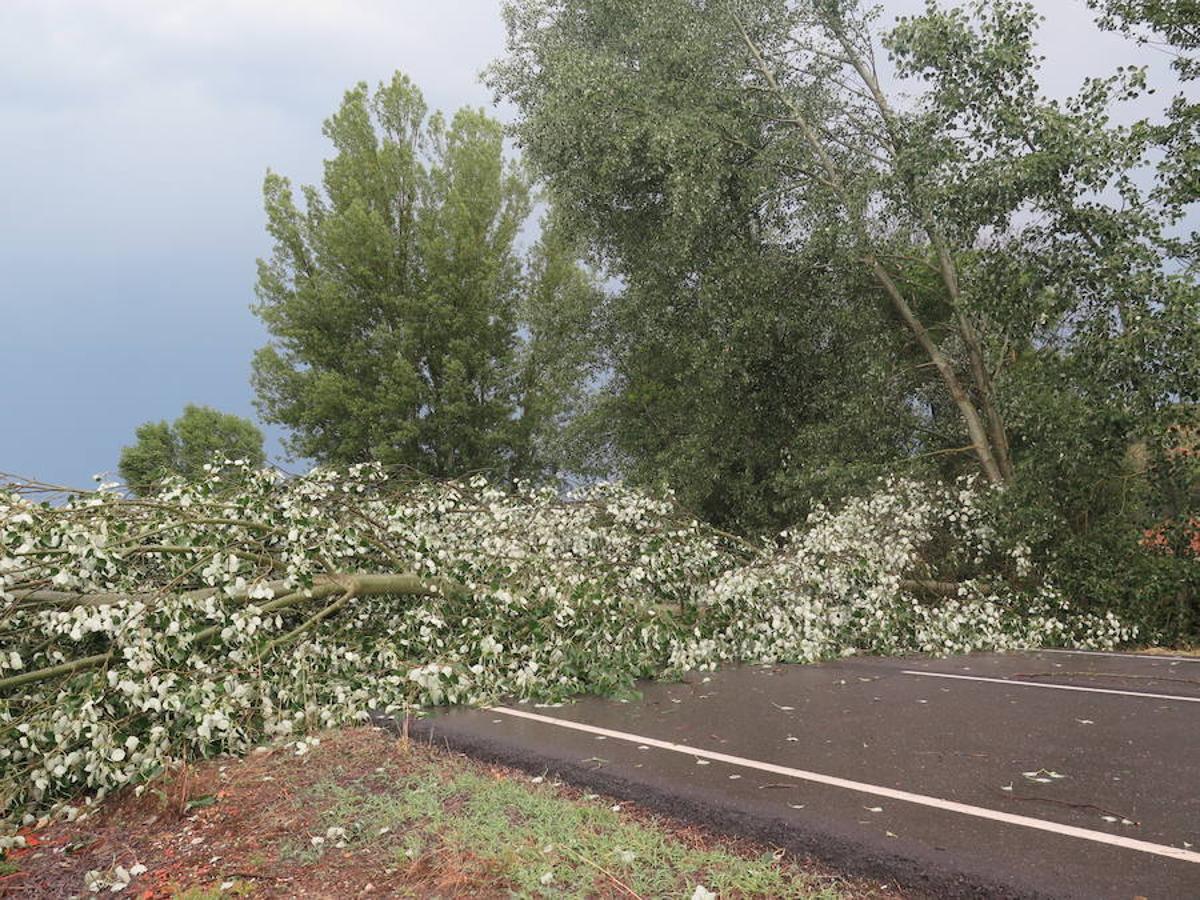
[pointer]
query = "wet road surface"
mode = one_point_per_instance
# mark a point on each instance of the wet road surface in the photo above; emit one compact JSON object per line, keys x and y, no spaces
{"x":1059,"y":774}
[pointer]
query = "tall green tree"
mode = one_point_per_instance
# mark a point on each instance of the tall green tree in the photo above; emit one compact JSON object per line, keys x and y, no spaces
{"x":984,"y":261}
{"x":404,"y":318}
{"x":726,"y":346}
{"x":938,"y":185}
{"x":185,"y":446}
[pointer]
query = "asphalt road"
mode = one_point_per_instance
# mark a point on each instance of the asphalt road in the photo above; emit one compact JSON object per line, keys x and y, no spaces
{"x":1057,"y":774}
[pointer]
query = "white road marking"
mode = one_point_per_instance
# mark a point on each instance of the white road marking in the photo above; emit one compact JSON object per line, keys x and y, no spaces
{"x":1150,"y":656}
{"x":966,"y":809}
{"x":1055,"y":687}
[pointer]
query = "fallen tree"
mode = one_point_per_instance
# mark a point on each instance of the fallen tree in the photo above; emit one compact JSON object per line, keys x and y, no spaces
{"x":206,"y":619}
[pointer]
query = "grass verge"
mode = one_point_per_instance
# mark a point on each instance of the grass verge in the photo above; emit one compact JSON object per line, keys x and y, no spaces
{"x":363,"y":814}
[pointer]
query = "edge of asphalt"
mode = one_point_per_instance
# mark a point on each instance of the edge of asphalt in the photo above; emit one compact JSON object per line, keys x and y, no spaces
{"x":920,"y":875}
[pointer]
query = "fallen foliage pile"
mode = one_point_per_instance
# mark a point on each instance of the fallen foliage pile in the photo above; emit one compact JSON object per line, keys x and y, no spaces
{"x":251,"y":607}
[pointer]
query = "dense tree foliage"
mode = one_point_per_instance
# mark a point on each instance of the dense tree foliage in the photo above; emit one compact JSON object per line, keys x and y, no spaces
{"x":186,"y":446}
{"x":205,"y":620}
{"x":407,"y":326}
{"x":733,"y":389}
{"x":1172,"y":26}
{"x":989,"y":278}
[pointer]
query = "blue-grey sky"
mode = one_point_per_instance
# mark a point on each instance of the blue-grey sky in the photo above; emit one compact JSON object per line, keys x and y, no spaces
{"x":134,"y":135}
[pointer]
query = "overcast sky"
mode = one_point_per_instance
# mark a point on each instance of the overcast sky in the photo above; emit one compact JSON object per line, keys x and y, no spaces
{"x":134,"y":135}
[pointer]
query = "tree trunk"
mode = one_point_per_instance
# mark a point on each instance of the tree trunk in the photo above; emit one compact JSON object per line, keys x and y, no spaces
{"x":989,"y":441}
{"x":970,"y":415}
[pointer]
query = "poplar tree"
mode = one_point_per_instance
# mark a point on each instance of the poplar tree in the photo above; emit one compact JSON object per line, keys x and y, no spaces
{"x":403,"y":314}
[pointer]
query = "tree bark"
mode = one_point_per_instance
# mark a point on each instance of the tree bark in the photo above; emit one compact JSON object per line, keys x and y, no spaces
{"x":970,"y":415}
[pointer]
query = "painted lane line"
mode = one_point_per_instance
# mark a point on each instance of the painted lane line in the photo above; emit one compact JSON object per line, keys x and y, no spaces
{"x":966,"y":809}
{"x":1054,"y":687}
{"x":1148,"y":656}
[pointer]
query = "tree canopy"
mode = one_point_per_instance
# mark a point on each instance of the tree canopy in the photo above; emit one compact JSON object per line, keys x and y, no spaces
{"x":978,"y":277}
{"x":407,"y":327}
{"x":185,"y":446}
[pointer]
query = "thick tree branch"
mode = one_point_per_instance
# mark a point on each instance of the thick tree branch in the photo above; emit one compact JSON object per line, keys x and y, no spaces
{"x":997,"y":433}
{"x":350,"y":585}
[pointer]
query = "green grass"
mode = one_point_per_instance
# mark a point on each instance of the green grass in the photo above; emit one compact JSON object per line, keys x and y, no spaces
{"x":525,"y":833}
